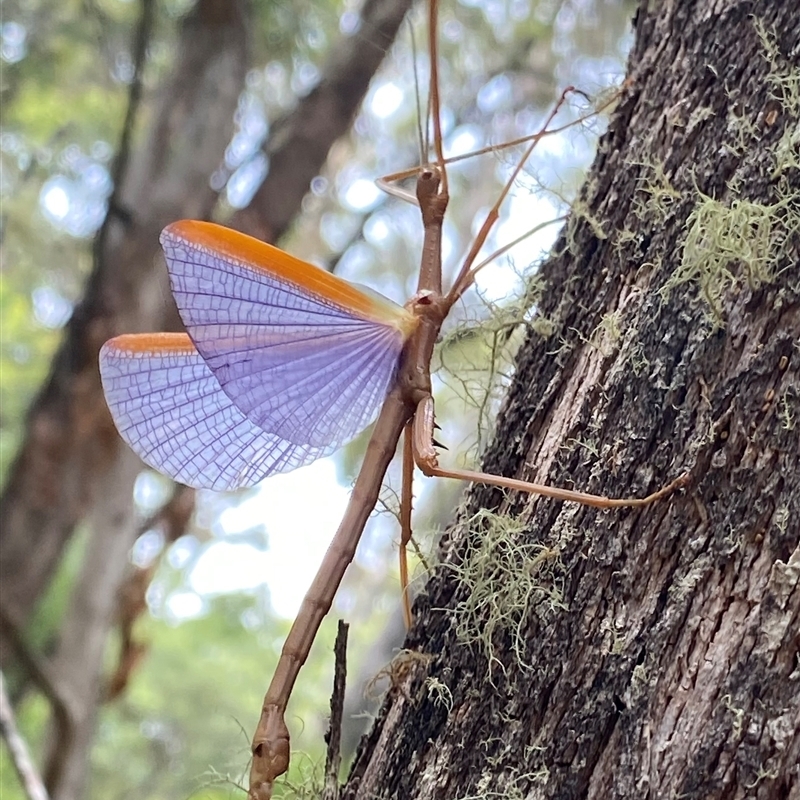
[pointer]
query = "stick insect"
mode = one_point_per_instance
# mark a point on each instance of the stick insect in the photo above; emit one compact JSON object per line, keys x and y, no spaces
{"x":283,"y":363}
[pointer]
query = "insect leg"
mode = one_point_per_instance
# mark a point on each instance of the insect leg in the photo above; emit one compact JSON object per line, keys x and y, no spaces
{"x":426,"y":459}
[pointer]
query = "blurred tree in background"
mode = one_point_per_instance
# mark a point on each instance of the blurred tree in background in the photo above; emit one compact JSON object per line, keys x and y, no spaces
{"x":119,"y":117}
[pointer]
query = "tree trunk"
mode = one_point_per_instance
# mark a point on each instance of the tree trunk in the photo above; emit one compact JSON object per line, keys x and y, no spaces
{"x":70,"y":444}
{"x":564,"y":651}
{"x":168,"y":178}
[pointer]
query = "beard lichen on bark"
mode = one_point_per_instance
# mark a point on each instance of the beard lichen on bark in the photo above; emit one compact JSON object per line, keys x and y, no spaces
{"x":439,"y":693}
{"x":734,"y":240}
{"x":656,"y":198}
{"x":785,"y":91}
{"x":737,"y":240}
{"x":503,"y":581}
{"x":512,"y":784}
{"x":730,"y":242}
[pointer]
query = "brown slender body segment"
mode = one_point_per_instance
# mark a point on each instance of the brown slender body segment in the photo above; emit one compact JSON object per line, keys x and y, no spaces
{"x":271,"y":740}
{"x":406,"y":503}
{"x":412,"y":386}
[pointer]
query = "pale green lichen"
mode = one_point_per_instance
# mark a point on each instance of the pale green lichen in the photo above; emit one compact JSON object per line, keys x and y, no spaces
{"x":739,"y":241}
{"x":579,"y":211}
{"x":303,"y":782}
{"x":655,"y":197}
{"x":510,"y":785}
{"x":638,"y":359}
{"x":786,"y":409}
{"x":781,"y":519}
{"x":606,"y":335}
{"x":785,"y":89}
{"x":729,"y":243}
{"x":439,"y":693}
{"x":738,"y":714}
{"x":507,"y":580}
{"x":478,"y":355}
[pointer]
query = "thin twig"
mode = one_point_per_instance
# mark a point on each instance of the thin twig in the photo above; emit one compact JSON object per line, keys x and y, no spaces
{"x":18,"y":749}
{"x":333,"y":757}
{"x":46,"y":682}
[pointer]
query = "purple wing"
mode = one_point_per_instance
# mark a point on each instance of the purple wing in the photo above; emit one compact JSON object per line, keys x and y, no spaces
{"x":170,"y":409}
{"x":302,"y":354}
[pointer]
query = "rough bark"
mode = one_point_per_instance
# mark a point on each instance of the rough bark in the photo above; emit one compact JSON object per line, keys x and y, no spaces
{"x":651,"y":652}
